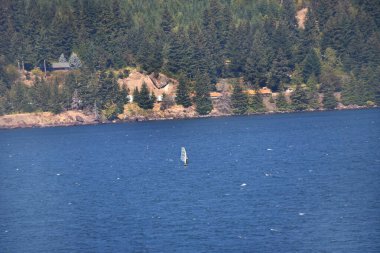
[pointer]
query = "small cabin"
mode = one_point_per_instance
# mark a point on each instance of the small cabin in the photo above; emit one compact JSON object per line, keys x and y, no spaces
{"x":215,"y":95}
{"x":60,"y":66}
{"x":263,"y":91}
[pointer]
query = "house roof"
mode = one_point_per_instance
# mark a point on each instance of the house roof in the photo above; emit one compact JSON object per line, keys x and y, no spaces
{"x":262,"y":91}
{"x":215,"y":94}
{"x":265,"y":90}
{"x":60,"y":65}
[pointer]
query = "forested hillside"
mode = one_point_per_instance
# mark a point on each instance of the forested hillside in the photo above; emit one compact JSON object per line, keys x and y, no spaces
{"x":199,"y":41}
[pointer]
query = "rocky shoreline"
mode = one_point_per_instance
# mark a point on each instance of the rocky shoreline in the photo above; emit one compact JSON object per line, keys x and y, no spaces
{"x":80,"y":118}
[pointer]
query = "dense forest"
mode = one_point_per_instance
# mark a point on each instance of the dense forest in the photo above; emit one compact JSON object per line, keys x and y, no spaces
{"x":196,"y":41}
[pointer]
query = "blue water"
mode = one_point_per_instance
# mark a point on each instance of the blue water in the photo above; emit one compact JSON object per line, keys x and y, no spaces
{"x":304,"y":182}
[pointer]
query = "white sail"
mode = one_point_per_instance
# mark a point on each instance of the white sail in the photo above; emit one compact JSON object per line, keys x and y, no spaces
{"x":183,"y":155}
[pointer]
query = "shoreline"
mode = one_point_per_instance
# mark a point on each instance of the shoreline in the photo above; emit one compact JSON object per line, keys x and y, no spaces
{"x":139,"y":118}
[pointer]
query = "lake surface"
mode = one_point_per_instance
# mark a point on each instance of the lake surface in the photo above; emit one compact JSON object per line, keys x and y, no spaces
{"x":302,"y":182}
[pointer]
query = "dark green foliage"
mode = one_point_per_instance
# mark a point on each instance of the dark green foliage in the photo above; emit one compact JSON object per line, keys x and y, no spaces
{"x":19,"y":98}
{"x":108,"y":89}
{"x":279,"y":73}
{"x":281,"y":103}
{"x":150,"y":54}
{"x":145,"y":99}
{"x":182,"y":95}
{"x":136,"y":95}
{"x":256,"y":67}
{"x":55,"y":102}
{"x":256,"y":103}
{"x":122,"y":99}
{"x":239,"y":100}
{"x":258,"y":40}
{"x":202,"y":95}
{"x":300,"y":99}
{"x":40,"y":95}
{"x":329,"y":100}
{"x":311,"y":65}
{"x":167,"y":22}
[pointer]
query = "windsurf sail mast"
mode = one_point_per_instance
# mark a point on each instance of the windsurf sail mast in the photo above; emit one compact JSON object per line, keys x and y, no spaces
{"x":184,"y":157}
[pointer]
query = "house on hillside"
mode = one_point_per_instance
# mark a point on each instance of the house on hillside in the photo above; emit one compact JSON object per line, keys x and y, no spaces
{"x":215,"y":95}
{"x":263,"y":91}
{"x":60,"y":66}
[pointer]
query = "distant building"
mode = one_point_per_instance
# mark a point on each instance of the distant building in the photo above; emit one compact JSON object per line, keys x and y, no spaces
{"x":215,"y":95}
{"x":263,"y":91}
{"x":60,"y":66}
{"x":130,"y":98}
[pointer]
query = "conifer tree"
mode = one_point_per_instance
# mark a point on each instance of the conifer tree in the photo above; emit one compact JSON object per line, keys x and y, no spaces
{"x":202,"y":95}
{"x":166,"y":21}
{"x":136,"y":95}
{"x":279,"y":73}
{"x":40,"y":94}
{"x":182,"y":94}
{"x":299,"y":99}
{"x":122,"y":99}
{"x":256,"y":67}
{"x":62,"y":59}
{"x":256,"y":103}
{"x":76,"y":102}
{"x":239,"y":100}
{"x":55,"y":99}
{"x":18,"y":98}
{"x":145,"y":100}
{"x":329,"y":100}
{"x":281,"y":103}
{"x":74,"y":61}
{"x":311,"y":65}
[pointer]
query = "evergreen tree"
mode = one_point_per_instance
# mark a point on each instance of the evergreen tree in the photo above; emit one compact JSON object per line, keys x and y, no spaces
{"x":239,"y":100}
{"x":329,"y":100}
{"x":108,"y":89}
{"x":18,"y":98}
{"x":202,"y":95}
{"x":145,"y":100}
{"x":279,"y":73}
{"x":136,"y":95}
{"x":182,"y":94}
{"x":299,"y":99}
{"x":40,"y":94}
{"x":122,"y":98}
{"x":178,"y":53}
{"x":75,"y":101}
{"x":311,"y":65}
{"x":166,"y":21}
{"x":256,"y":67}
{"x":256,"y":103}
{"x":55,"y":105}
{"x":281,"y":103}
{"x":74,"y":61}
{"x":62,"y":59}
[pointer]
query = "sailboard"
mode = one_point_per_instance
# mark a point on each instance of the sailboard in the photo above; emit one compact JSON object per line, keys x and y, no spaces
{"x":184,"y":157}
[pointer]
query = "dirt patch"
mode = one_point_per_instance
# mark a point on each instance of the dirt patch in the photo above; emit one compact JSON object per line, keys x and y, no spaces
{"x":301,"y":17}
